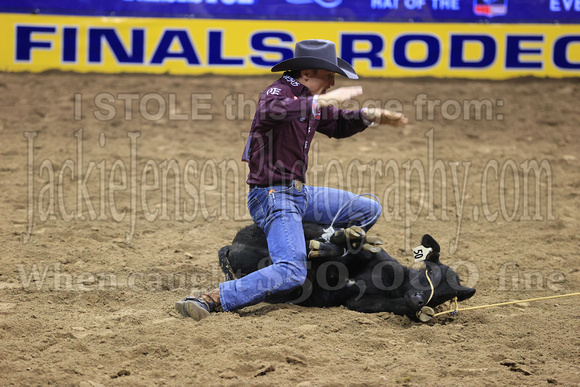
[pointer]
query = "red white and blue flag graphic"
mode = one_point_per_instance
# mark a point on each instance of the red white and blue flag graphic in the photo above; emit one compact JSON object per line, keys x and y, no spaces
{"x":490,"y":8}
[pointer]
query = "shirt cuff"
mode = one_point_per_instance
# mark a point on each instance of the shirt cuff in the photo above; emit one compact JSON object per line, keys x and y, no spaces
{"x":364,"y":119}
{"x":315,"y":108}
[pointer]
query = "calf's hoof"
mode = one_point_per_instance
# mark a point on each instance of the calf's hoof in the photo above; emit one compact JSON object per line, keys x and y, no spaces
{"x":346,"y":235}
{"x":323,"y":250}
{"x":374,"y":240}
{"x":371,"y":248}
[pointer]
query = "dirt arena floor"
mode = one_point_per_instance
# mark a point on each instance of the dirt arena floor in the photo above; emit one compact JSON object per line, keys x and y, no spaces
{"x":118,"y":191}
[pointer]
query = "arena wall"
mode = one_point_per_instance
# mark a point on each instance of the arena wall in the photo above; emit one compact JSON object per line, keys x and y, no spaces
{"x":504,"y":46}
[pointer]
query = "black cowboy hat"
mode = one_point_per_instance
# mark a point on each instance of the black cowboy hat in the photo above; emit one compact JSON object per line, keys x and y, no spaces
{"x":316,"y":54}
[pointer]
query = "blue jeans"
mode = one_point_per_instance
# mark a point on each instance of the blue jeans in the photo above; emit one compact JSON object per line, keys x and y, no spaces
{"x":280,"y":211}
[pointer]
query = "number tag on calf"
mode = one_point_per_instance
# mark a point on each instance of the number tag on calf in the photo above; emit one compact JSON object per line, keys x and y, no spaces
{"x":421,"y":252}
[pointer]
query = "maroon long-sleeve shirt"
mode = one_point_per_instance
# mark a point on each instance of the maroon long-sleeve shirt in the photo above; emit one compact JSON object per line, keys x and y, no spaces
{"x":283,"y":128}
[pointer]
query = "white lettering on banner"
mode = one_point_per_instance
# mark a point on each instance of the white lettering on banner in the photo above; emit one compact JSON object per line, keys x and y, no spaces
{"x":452,"y":5}
{"x":556,"y":5}
{"x":385,"y":4}
{"x":414,"y":4}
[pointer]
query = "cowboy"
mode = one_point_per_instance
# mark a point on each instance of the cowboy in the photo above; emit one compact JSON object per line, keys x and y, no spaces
{"x":288,"y":114}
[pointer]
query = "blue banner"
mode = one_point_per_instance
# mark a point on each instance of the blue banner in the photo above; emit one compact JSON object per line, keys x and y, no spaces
{"x":471,"y":11}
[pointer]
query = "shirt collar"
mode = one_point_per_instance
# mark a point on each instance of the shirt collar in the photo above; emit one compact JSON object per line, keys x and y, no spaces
{"x":298,"y":89}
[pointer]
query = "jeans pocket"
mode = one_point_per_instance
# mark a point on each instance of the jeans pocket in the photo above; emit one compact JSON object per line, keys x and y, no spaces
{"x":256,"y":210}
{"x":288,"y":200}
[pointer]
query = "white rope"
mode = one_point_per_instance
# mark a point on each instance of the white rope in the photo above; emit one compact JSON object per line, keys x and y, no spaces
{"x":328,"y":232}
{"x":455,"y":309}
{"x":350,"y":200}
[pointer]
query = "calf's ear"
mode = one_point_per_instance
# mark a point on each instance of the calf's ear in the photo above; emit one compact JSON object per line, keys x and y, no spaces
{"x":464,"y":293}
{"x":428,"y":241}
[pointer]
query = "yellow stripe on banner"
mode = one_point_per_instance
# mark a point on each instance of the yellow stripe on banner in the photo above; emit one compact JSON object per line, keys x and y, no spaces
{"x":196,"y":46}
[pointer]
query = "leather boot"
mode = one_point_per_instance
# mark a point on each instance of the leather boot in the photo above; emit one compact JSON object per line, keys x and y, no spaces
{"x":199,"y":307}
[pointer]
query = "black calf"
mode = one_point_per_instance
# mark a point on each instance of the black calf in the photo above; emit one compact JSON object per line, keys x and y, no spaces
{"x":353,"y":271}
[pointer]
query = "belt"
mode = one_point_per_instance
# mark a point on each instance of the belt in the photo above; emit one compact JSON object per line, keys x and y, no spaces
{"x":295,"y":183}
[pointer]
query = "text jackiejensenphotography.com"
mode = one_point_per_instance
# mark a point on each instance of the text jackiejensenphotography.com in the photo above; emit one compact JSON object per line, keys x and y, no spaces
{"x":129,"y":189}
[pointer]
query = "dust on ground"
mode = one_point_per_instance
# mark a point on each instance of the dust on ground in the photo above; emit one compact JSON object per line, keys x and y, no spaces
{"x":95,"y":251}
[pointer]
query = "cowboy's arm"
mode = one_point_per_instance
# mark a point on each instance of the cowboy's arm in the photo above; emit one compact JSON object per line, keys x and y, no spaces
{"x":384,"y":117}
{"x":280,"y":105}
{"x":272,"y":110}
{"x":339,"y":123}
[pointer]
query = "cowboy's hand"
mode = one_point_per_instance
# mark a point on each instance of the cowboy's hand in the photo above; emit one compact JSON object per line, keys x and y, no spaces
{"x":383,"y":116}
{"x":339,"y":95}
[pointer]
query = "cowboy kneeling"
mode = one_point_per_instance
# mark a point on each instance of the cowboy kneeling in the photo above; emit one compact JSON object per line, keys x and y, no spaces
{"x":277,"y":154}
